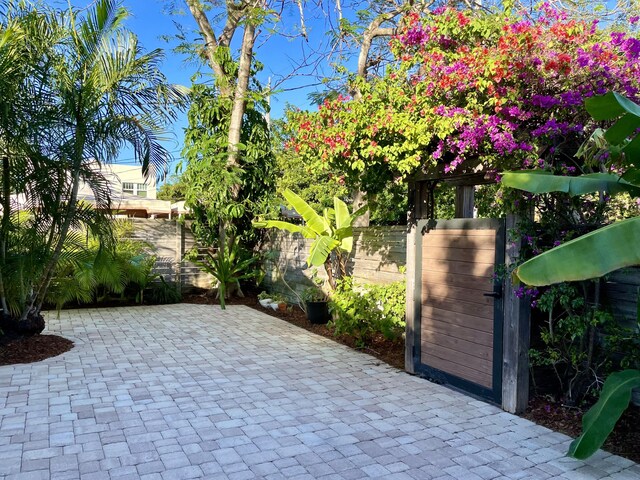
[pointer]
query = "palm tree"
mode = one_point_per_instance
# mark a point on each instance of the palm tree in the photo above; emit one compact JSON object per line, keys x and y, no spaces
{"x":88,"y":90}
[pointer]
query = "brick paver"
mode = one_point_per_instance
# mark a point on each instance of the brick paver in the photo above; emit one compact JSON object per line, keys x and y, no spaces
{"x":190,"y":391}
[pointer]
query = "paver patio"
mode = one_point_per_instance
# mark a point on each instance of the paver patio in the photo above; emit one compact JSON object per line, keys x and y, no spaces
{"x":190,"y":391}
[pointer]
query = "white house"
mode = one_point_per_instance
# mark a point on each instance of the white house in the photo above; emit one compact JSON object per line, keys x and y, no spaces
{"x":132,"y":194}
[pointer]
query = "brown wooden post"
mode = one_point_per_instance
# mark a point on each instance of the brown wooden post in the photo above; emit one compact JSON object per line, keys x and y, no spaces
{"x":412,"y":321}
{"x":179,"y":253}
{"x":465,"y":201}
{"x":516,"y":333}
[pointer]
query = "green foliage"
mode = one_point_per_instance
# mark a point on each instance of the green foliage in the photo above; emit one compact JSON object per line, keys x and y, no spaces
{"x":332,"y":232}
{"x":599,"y":421}
{"x":313,"y":294}
{"x":606,"y":249}
{"x":570,"y":340}
{"x":75,"y":86}
{"x":597,"y":253}
{"x":94,"y":272}
{"x":218,"y":193}
{"x":363,"y":311}
{"x":229,"y":266}
{"x":164,"y":292}
{"x":174,"y":189}
{"x":316,"y":187}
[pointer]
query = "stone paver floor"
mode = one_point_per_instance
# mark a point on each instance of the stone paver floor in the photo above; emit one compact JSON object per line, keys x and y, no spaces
{"x":189,"y":391}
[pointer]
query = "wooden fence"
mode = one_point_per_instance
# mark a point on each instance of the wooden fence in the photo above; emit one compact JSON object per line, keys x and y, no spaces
{"x":170,"y":240}
{"x":378,"y":256}
{"x":621,"y":295}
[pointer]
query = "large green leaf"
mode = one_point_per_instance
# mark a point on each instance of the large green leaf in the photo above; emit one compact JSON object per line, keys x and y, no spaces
{"x":345,"y":236}
{"x":622,"y":129}
{"x":599,"y":421}
{"x":314,"y":221}
{"x":589,"y":256}
{"x":610,"y":106}
{"x":343,"y":218}
{"x":539,"y":181}
{"x":320,"y":250}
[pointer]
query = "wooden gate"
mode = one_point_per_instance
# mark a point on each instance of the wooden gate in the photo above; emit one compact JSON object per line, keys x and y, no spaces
{"x":458,"y":304}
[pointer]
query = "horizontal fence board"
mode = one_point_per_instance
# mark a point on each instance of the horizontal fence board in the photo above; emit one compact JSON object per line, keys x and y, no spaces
{"x":482,"y":310}
{"x":462,"y":233}
{"x":476,"y":269}
{"x":460,"y":365}
{"x":460,"y":319}
{"x":455,"y":293}
{"x":459,"y":254}
{"x":377,"y":255}
{"x":476,"y":283}
{"x":453,"y":339}
{"x":464,"y":332}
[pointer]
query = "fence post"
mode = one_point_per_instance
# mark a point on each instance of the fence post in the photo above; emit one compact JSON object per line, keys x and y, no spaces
{"x":411,"y":320}
{"x":516,"y":333}
{"x":179,"y":252}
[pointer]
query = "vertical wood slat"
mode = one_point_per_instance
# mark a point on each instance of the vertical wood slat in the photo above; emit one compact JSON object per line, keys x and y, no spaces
{"x":516,"y":330}
{"x":465,"y":201}
{"x":413,"y":282}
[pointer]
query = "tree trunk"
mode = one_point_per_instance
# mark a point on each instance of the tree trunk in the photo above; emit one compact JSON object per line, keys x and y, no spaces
{"x":242,"y":85}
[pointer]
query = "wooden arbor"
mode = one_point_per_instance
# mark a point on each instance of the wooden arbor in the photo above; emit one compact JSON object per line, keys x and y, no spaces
{"x":464,"y":327}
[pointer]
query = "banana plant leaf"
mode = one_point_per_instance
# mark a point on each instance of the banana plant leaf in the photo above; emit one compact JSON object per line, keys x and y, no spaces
{"x":611,"y":106}
{"x":599,"y":421}
{"x":320,"y":250}
{"x":314,"y":221}
{"x":343,"y":217}
{"x":538,"y":181}
{"x":589,"y":256}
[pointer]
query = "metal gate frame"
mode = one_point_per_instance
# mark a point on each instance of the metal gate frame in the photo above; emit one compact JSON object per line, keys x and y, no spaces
{"x":494,"y":394}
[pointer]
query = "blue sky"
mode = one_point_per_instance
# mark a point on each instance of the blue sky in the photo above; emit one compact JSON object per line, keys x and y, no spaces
{"x":149,"y":22}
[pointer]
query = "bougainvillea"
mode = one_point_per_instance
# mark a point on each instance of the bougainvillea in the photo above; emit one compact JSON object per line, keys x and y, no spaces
{"x":469,"y":90}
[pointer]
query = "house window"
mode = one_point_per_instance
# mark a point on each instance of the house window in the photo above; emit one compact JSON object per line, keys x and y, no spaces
{"x":139,"y":189}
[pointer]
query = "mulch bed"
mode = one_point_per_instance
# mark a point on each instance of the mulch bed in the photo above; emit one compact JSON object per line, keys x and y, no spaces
{"x":33,"y":349}
{"x":624,"y":441}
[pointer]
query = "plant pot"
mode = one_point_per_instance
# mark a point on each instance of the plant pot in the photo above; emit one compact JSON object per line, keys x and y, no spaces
{"x":265,"y":302}
{"x":318,"y":312}
{"x":282,"y":306}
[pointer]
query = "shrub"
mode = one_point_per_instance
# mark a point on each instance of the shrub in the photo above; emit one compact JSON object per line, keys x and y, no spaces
{"x":362,"y":311}
{"x":164,"y":292}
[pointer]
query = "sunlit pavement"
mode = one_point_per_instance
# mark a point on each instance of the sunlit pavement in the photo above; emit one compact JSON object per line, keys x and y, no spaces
{"x":190,"y":391}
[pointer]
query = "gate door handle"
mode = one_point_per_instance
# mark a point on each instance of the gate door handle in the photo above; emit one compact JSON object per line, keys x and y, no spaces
{"x":493,"y":294}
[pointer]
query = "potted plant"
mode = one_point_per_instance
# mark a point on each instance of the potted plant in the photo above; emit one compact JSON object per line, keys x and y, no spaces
{"x":316,"y":305}
{"x":278,"y":302}
{"x":264,"y":299}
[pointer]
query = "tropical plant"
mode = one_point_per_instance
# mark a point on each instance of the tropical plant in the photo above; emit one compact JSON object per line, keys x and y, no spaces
{"x":313,"y":294}
{"x":597,"y":253}
{"x":225,"y":198}
{"x":331,"y":233}
{"x":362,"y":311}
{"x":229,"y":265}
{"x":164,"y":292}
{"x":76,"y":87}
